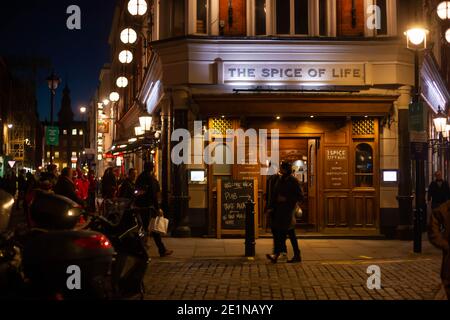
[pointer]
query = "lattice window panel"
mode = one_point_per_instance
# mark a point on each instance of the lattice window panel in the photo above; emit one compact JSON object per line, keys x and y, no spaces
{"x":221,"y":125}
{"x":363,"y":127}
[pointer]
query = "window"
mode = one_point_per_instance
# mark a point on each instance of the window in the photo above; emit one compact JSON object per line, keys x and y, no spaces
{"x":292,"y":17}
{"x":74,"y":132}
{"x":363,"y":165}
{"x":323,"y":18}
{"x":74,"y":165}
{"x":178,"y":18}
{"x":202,"y":16}
{"x":260,"y":17}
{"x":48,"y":154}
{"x":57,"y":155}
{"x":301,"y":16}
{"x":283,"y":9}
{"x":383,"y":17}
{"x":65,"y":132}
{"x":81,"y":132}
{"x":74,"y":154}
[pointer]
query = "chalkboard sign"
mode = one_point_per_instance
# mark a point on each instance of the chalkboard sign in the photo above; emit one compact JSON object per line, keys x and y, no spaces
{"x":232,"y":197}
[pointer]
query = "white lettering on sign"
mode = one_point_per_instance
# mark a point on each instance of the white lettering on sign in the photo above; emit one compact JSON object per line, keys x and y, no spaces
{"x":294,"y":72}
{"x":338,"y":154}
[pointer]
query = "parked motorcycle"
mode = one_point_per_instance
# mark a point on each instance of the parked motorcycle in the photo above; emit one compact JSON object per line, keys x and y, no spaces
{"x":58,"y":260}
{"x":122,"y":224}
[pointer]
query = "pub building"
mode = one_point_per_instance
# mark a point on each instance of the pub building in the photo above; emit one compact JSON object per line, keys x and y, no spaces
{"x":336,"y":87}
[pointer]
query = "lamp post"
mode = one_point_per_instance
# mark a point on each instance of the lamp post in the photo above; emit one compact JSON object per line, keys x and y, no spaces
{"x":53,"y":82}
{"x":84,"y":122}
{"x":417,"y":41}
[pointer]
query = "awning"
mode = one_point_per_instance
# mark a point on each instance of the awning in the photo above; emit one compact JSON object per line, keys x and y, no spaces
{"x":124,"y":148}
{"x":292,"y":104}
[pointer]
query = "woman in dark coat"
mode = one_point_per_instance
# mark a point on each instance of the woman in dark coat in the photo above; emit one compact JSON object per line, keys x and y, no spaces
{"x":439,"y":235}
{"x":287,"y":193}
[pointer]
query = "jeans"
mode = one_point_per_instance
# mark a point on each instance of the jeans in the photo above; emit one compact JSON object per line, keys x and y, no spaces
{"x":279,"y":240}
{"x":293,"y":237}
{"x":158,"y":241}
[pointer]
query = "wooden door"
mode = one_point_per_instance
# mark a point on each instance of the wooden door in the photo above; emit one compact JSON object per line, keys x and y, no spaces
{"x":312,"y":182}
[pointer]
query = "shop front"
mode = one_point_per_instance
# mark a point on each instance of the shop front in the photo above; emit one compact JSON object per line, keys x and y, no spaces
{"x":334,"y":150}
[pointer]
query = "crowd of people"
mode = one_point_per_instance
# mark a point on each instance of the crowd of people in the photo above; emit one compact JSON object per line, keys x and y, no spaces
{"x":85,"y":189}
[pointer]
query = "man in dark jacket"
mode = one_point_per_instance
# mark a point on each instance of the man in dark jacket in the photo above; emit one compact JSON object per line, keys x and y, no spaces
{"x":439,"y":235}
{"x":65,"y":186}
{"x":286,"y":194}
{"x":128,"y":187}
{"x":438,"y":191}
{"x":147,"y":200}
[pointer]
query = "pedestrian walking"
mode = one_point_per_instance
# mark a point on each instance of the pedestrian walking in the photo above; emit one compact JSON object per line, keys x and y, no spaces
{"x":287,"y":194}
{"x":147,"y":200}
{"x":66,"y":187}
{"x":438,"y":191}
{"x":92,"y":190}
{"x":109,"y":184}
{"x":21,"y":187}
{"x":127,"y":187}
{"x":439,"y":235}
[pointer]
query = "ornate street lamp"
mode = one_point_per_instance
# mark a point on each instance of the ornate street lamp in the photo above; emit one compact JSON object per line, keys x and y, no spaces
{"x":417,"y":38}
{"x":53,"y":82}
{"x":440,"y":121}
{"x":137,"y":7}
{"x":138,"y":131}
{"x":128,"y":36}
{"x":146,"y":122}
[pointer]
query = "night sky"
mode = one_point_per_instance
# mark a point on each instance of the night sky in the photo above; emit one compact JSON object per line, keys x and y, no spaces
{"x":38,"y":28}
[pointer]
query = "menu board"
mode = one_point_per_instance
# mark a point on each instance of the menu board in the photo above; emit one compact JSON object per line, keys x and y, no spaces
{"x":336,"y":168}
{"x":232,"y":197}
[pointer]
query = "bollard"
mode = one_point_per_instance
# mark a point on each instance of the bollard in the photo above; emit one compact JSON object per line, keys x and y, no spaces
{"x":250,"y":241}
{"x":418,"y":217}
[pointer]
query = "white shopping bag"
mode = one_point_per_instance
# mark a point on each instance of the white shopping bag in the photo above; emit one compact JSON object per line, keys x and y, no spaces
{"x":159,"y":225}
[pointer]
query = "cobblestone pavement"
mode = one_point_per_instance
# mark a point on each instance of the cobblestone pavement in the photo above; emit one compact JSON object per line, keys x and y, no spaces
{"x":407,"y":276}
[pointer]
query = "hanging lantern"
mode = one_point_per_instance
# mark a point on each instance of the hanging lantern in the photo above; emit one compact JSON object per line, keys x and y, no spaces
{"x":128,"y":36}
{"x":122,"y":82}
{"x":125,"y":56}
{"x":137,"y":7}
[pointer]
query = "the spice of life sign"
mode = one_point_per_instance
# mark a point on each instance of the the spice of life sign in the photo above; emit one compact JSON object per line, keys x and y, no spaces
{"x":343,"y":74}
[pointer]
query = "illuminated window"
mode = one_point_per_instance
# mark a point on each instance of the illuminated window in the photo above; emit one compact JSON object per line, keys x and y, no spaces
{"x":260,"y":17}
{"x":202,"y":16}
{"x":74,"y":165}
{"x":48,"y":154}
{"x":81,"y":132}
{"x":56,"y":154}
{"x":363,"y":165}
{"x":74,"y":154}
{"x":64,"y":132}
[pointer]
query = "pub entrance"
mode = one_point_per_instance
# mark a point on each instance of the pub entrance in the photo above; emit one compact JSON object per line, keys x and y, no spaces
{"x":302,"y":154}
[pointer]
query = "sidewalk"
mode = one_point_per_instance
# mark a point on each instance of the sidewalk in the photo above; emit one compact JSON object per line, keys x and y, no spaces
{"x":215,"y":269}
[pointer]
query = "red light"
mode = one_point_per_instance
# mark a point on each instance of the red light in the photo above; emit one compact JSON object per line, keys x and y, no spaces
{"x":97,"y":241}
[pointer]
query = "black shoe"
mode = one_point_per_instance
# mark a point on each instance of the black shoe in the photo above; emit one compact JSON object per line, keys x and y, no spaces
{"x":295,"y":259}
{"x":272,"y":257}
{"x":166,"y":254}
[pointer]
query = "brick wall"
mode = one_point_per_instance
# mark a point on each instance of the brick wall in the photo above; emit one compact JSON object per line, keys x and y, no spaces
{"x":345,"y":26}
{"x":238,"y":27}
